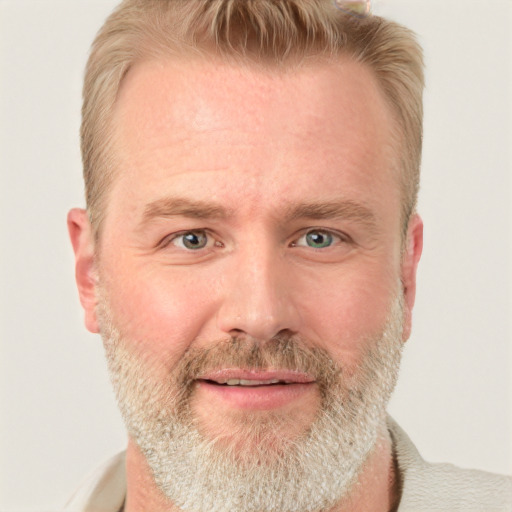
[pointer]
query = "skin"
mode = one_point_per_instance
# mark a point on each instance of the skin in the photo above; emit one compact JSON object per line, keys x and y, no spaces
{"x":254,"y":150}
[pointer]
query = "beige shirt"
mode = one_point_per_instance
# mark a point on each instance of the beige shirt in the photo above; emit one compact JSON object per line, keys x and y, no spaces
{"x":425,"y":486}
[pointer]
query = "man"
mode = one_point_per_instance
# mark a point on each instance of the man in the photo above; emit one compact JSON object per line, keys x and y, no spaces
{"x":249,"y":256}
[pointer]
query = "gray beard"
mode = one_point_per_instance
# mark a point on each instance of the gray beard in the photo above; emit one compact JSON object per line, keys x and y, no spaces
{"x":255,"y":467}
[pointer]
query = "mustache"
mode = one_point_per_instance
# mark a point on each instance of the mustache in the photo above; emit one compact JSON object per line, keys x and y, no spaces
{"x":282,"y":352}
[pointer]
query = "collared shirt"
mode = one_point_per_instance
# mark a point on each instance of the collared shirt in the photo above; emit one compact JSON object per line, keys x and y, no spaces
{"x":425,"y":487}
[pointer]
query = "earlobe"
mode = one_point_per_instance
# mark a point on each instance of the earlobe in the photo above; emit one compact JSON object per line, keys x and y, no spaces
{"x":410,"y":259}
{"x":80,"y":233}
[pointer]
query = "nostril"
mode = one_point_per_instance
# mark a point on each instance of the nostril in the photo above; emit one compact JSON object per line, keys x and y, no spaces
{"x":257,"y":315}
{"x":285,"y":333}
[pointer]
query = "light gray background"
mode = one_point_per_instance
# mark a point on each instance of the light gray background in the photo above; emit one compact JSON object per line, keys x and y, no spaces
{"x":58,"y":417}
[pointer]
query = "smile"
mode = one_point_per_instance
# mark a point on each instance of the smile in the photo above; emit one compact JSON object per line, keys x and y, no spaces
{"x":254,"y":389}
{"x":241,"y":377}
{"x":252,"y":383}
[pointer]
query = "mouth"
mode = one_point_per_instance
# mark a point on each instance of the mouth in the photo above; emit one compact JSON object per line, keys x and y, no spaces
{"x":255,"y":389}
{"x":251,"y":383}
{"x":253,"y":378}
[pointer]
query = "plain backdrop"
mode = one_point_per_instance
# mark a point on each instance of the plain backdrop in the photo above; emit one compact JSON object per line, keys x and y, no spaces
{"x":58,"y":418}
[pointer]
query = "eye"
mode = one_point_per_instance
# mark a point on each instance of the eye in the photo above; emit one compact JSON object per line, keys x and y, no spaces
{"x":317,"y":239}
{"x":191,"y":240}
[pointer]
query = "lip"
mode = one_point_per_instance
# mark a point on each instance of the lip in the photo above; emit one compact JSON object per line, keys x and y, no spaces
{"x":285,"y":376}
{"x":264,"y":389}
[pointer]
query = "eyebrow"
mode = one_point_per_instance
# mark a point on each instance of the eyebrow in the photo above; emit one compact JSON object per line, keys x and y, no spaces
{"x":179,"y":206}
{"x":344,"y":209}
{"x":184,"y":207}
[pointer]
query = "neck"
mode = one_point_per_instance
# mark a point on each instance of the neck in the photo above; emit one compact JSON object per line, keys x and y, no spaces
{"x":377,"y":488}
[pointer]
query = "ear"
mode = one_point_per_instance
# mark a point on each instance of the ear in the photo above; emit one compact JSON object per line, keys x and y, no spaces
{"x":80,"y":232}
{"x":410,"y":259}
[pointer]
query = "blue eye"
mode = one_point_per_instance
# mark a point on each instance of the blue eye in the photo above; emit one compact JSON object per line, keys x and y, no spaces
{"x":192,"y":240}
{"x":316,"y":239}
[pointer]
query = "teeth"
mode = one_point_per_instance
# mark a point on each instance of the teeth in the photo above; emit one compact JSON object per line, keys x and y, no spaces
{"x":244,"y":382}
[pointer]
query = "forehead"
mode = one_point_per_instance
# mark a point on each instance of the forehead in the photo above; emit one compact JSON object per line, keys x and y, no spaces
{"x":197,"y":122}
{"x":201,"y":94}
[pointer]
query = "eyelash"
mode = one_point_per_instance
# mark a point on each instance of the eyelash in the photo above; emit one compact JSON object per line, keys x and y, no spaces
{"x":176,"y":236}
{"x":335,"y":236}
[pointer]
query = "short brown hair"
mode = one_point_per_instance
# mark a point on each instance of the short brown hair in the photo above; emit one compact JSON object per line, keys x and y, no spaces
{"x":272,"y":32}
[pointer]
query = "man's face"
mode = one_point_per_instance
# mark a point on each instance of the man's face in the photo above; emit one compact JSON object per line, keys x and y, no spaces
{"x":252,"y":211}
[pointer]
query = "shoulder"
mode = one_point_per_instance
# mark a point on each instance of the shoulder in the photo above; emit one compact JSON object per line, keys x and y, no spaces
{"x":444,"y":487}
{"x":103,"y":490}
{"x":451,"y":488}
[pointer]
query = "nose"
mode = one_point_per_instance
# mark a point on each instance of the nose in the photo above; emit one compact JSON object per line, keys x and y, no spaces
{"x":258,"y":299}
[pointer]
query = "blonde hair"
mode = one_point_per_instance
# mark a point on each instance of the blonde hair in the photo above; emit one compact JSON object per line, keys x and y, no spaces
{"x":269,"y":32}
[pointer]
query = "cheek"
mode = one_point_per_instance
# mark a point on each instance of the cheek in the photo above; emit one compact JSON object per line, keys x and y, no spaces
{"x":349,"y":311}
{"x":161,"y":310}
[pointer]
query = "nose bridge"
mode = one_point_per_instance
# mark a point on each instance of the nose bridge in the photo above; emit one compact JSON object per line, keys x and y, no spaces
{"x":257,"y":301}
